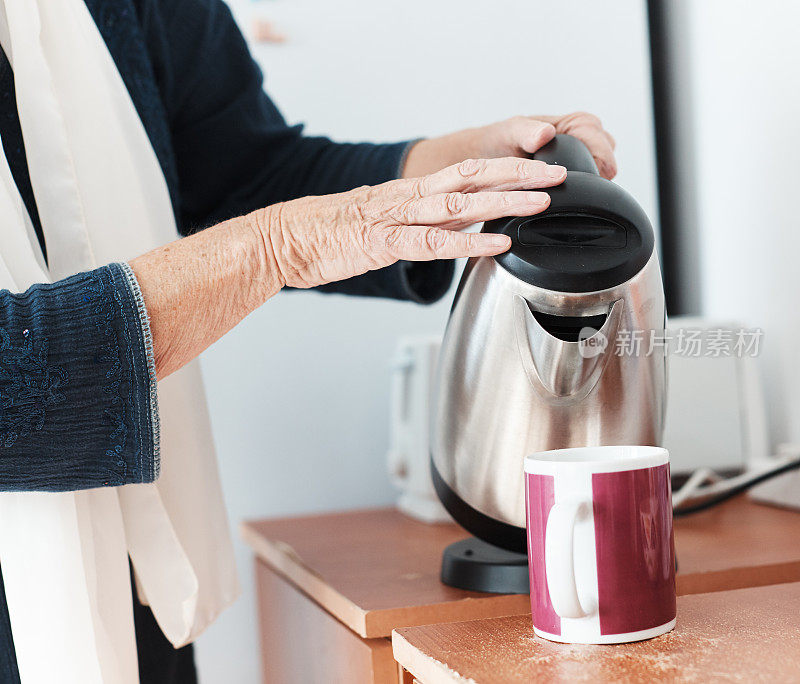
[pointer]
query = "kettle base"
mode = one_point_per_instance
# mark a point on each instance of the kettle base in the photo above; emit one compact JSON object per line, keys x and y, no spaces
{"x":477,"y":566}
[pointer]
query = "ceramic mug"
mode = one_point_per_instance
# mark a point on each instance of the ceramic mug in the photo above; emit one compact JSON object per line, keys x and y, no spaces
{"x":600,"y":545}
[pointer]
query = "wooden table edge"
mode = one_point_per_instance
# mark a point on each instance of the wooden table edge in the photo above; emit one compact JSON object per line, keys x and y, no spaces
{"x":738,"y":578}
{"x":430,"y":670}
{"x":382,"y":621}
{"x":306,"y":580}
{"x":377,"y":622}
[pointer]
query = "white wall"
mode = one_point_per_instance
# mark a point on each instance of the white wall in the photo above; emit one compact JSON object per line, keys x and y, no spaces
{"x":740,"y":77}
{"x":298,"y":392}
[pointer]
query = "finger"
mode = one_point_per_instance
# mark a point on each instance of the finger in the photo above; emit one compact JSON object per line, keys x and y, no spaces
{"x":589,"y":129}
{"x":600,"y":147}
{"x":473,"y":175}
{"x":565,"y":122}
{"x":456,"y":210}
{"x":548,"y":119}
{"x":528,"y":134}
{"x":424,"y":243}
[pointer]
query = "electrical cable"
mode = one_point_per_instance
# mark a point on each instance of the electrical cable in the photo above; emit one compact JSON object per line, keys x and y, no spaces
{"x":720,"y":486}
{"x":690,"y":487}
{"x":737,"y":489}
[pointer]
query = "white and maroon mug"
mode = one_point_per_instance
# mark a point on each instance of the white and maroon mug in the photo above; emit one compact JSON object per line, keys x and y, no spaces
{"x":600,"y":547}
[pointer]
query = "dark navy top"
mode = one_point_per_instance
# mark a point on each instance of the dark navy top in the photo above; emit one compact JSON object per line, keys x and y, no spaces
{"x":74,"y":378}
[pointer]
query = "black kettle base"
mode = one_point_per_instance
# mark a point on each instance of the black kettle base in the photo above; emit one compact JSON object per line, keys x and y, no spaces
{"x":477,"y":566}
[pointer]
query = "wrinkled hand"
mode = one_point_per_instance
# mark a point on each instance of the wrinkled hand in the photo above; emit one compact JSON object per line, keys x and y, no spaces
{"x":317,"y":240}
{"x":589,"y":130}
{"x":519,"y":136}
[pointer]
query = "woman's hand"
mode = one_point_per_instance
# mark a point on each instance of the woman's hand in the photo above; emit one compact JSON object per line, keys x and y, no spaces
{"x":519,"y":136}
{"x":316,"y":240}
{"x":198,"y":288}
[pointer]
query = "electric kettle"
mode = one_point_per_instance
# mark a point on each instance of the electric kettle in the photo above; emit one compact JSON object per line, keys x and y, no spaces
{"x":559,"y":342}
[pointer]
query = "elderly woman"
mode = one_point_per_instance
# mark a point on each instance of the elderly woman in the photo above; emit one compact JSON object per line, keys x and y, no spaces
{"x":124,"y":124}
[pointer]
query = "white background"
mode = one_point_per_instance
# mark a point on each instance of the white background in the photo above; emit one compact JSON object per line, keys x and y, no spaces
{"x":299,"y":392}
{"x":739,"y":98}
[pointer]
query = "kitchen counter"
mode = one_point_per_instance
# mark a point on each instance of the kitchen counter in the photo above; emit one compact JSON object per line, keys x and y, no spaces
{"x":333,"y":587}
{"x":748,"y":635}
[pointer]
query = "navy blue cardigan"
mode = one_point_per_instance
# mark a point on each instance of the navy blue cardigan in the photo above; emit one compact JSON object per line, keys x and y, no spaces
{"x":74,"y":382}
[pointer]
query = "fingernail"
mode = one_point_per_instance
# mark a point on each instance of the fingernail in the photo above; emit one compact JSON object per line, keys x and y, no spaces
{"x":495,"y":240}
{"x":548,"y":128}
{"x":538,"y":197}
{"x":553,"y":171}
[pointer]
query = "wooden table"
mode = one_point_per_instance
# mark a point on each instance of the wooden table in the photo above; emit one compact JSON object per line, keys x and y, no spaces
{"x":747,"y":635}
{"x":333,"y":587}
{"x":737,"y":544}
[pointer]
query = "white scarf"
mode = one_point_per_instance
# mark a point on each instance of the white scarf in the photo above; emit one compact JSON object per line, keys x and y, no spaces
{"x":102,"y":198}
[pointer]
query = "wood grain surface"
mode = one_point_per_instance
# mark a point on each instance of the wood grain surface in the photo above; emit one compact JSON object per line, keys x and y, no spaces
{"x":735,"y":545}
{"x":374,"y":570}
{"x":379,"y":569}
{"x":747,"y":635}
{"x":302,"y":644}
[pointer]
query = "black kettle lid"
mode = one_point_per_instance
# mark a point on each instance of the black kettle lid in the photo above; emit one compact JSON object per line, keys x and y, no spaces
{"x":592,"y":237}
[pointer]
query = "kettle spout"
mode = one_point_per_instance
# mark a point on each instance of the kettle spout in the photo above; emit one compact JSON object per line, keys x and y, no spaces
{"x":564,"y":357}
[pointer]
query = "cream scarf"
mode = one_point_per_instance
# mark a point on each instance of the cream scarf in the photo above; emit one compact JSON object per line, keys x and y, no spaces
{"x":101,"y":198}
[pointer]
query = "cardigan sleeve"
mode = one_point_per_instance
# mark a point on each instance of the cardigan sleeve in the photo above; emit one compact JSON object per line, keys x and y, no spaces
{"x":234,"y":151}
{"x":78,"y":404}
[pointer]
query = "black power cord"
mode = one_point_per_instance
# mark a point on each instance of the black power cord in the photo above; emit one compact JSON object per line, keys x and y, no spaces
{"x":713,"y":501}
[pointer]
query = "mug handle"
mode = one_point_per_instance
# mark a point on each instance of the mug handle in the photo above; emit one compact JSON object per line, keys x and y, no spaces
{"x":559,"y":559}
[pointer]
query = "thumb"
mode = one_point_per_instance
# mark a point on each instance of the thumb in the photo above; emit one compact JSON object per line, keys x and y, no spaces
{"x":533,"y":134}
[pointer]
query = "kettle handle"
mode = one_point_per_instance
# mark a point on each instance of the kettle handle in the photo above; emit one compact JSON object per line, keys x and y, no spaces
{"x":568,"y":151}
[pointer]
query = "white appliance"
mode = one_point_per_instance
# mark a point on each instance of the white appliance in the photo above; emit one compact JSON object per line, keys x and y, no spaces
{"x":413,"y":372}
{"x":715,"y":408}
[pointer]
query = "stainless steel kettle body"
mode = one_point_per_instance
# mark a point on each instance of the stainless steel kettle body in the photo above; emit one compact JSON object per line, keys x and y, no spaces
{"x":526,"y":368}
